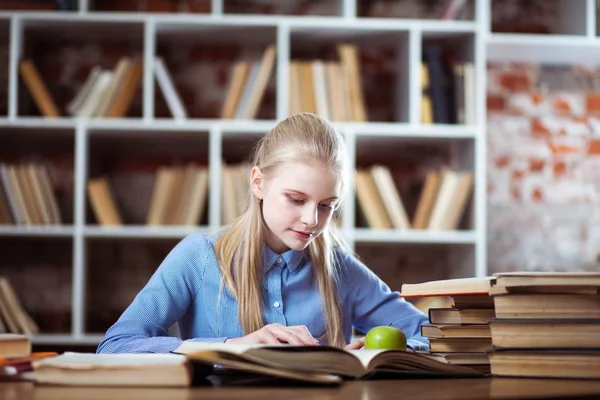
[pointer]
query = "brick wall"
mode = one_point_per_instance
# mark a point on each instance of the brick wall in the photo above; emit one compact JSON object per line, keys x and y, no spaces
{"x":543,"y":164}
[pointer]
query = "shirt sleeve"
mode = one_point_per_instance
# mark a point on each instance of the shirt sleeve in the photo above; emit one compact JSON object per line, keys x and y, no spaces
{"x":142,"y":328}
{"x":373,"y":303}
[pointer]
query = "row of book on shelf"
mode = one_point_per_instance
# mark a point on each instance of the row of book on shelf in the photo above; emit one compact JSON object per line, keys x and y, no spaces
{"x":442,"y":202}
{"x":27,"y":196}
{"x":14,"y":319}
{"x":331,"y":89}
{"x":106,"y":93}
{"x":109,"y":93}
{"x":447,"y":89}
{"x":180,"y":196}
{"x":517,"y":324}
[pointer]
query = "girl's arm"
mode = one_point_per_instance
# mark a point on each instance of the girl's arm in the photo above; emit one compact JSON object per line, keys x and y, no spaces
{"x":142,"y":328}
{"x":373,"y":303}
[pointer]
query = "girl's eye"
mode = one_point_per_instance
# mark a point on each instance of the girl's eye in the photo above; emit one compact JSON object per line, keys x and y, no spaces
{"x":326,"y":206}
{"x":295,"y":201}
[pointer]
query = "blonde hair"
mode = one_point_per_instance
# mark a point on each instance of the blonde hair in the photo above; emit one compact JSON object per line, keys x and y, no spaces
{"x":301,"y":137}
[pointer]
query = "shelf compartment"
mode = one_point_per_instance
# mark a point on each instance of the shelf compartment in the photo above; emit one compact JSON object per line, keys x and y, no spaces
{"x":116,"y":271}
{"x":447,"y":76}
{"x":397,"y":264}
{"x":66,"y":51}
{"x":544,"y":17}
{"x":411,"y":165}
{"x":201,"y":61}
{"x":131,"y":162}
{"x":382,"y":61}
{"x":40,"y":271}
{"x":50,"y":154}
{"x":443,"y":10}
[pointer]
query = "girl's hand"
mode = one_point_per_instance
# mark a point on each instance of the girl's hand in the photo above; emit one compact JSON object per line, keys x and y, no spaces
{"x":277,"y":334}
{"x":356,"y":344}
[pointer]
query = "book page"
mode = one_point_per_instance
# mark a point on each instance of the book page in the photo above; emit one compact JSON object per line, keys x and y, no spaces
{"x":365,"y":356}
{"x":235,"y":348}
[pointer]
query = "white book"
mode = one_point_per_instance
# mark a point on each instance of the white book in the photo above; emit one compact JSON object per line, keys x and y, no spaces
{"x":96,"y":94}
{"x":446,"y":195}
{"x":165,"y":82}
{"x":13,"y":202}
{"x":320,"y":88}
{"x":89,"y":369}
{"x":75,"y":105}
{"x":244,"y":102}
{"x":391,"y":198}
{"x":469,"y":78}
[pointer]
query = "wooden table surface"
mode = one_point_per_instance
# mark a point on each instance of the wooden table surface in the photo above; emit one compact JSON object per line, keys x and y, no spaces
{"x":431,"y":389}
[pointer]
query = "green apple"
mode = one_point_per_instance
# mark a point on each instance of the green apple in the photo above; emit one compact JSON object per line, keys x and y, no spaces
{"x":385,"y":338}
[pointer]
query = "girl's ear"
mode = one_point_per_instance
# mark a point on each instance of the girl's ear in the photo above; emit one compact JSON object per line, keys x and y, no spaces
{"x":256,"y":182}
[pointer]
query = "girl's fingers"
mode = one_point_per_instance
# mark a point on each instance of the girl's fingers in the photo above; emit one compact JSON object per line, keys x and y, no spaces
{"x":304,"y":334}
{"x":356,"y":344}
{"x":267,"y":337}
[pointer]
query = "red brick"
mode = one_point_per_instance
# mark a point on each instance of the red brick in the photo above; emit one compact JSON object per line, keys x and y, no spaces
{"x":514,"y":82}
{"x":538,"y":129}
{"x":517,"y":175}
{"x":536,"y":165}
{"x":495,"y":102}
{"x":537,"y":195}
{"x":561,"y":106}
{"x":515,"y":193}
{"x":537,"y":98}
{"x":502,"y":162}
{"x":592,"y":103}
{"x":558,"y":148}
{"x":559,"y":168}
{"x":594,"y":147}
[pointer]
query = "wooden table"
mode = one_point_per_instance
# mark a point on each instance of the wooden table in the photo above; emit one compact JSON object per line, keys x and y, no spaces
{"x":430,"y":389}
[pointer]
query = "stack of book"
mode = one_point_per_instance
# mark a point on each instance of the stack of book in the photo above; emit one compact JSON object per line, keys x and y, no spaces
{"x":459,"y":334}
{"x":547,"y":325}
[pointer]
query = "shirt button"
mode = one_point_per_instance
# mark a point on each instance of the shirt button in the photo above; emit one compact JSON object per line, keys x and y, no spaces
{"x":278,"y":260}
{"x":276,"y":304}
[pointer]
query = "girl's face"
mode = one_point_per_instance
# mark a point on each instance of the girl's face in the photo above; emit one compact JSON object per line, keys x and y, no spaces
{"x":298,"y":202}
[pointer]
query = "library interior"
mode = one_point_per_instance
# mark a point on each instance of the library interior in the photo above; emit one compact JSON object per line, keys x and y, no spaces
{"x":139,"y":241}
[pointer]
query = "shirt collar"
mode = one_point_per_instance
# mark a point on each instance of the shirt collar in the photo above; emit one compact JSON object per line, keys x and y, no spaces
{"x":292,"y":259}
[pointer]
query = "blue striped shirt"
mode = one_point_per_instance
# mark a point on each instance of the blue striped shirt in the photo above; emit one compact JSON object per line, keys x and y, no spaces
{"x":185,"y":289}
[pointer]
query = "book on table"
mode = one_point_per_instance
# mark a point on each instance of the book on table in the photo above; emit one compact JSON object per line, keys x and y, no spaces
{"x":89,"y":369}
{"x":324,"y":364}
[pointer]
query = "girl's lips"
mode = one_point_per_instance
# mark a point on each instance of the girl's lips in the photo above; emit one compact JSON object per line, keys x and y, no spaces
{"x":302,"y":235}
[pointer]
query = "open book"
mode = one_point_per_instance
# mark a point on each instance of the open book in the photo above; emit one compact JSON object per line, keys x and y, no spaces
{"x":320,"y":364}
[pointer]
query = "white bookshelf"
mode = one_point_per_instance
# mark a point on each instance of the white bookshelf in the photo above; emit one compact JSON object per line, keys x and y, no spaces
{"x":473,"y":36}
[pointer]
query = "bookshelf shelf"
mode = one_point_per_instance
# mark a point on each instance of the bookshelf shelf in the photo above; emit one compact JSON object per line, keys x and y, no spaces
{"x":141,"y":231}
{"x":543,"y":48}
{"x":130,"y":149}
{"x":60,"y":231}
{"x":65,"y":339}
{"x":413,"y":236}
